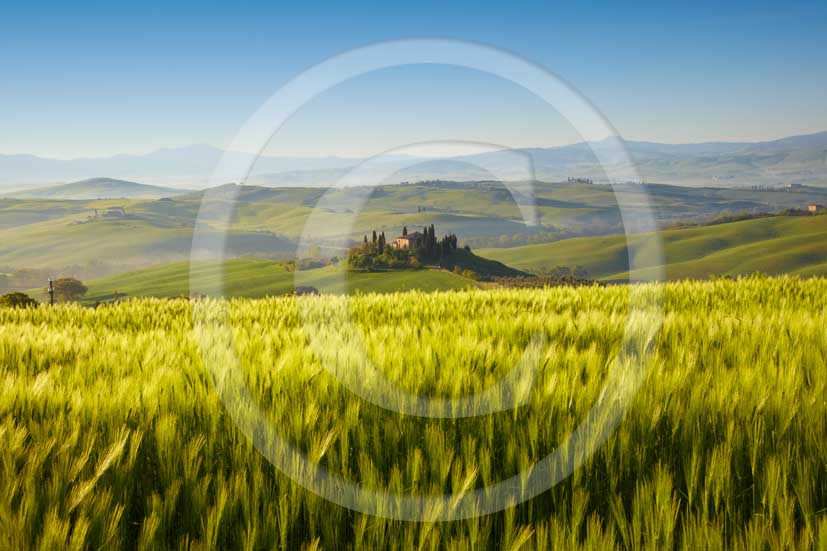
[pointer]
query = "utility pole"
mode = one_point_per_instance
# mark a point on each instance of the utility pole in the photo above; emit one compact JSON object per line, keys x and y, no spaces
{"x":51,"y":293}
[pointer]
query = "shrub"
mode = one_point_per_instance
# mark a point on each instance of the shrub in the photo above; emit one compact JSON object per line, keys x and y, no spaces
{"x":305,"y":290}
{"x":68,"y":289}
{"x":17,"y":300}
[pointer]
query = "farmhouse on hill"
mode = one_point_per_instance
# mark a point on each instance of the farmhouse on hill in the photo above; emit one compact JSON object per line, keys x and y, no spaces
{"x":407,"y":240}
{"x":815,"y":207}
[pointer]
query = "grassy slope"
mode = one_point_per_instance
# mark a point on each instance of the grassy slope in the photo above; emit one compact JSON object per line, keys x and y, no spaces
{"x":17,"y":213}
{"x":46,"y":233}
{"x":796,"y":245}
{"x":465,"y":260}
{"x":58,"y":233}
{"x":95,"y":188}
{"x":251,"y":278}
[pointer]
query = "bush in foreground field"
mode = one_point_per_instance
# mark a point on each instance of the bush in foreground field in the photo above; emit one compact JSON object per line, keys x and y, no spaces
{"x":112,"y":435}
{"x":17,"y":300}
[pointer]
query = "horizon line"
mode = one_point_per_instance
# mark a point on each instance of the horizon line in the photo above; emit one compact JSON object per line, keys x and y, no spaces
{"x":355,"y":158}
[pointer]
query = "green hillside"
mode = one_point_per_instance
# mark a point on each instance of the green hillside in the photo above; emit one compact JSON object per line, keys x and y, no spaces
{"x":253,"y":278}
{"x":60,"y":235}
{"x":485,"y":267}
{"x":774,"y":245}
{"x":48,"y":233}
{"x":98,"y":188}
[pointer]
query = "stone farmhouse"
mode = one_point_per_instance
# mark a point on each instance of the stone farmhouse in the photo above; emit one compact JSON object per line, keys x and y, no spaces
{"x":407,"y":241}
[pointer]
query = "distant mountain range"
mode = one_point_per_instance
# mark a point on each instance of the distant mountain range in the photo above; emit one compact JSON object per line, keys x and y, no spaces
{"x":181,"y":167}
{"x":795,"y":159}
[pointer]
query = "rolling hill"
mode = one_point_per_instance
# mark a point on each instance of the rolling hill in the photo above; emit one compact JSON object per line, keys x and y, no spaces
{"x":98,"y":188}
{"x":254,"y":278}
{"x":130,"y":241}
{"x":772,"y":245}
{"x":128,"y":234}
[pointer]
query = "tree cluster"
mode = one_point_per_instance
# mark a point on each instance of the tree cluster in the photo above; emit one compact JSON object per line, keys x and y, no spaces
{"x":432,"y":247}
{"x":377,"y":244}
{"x":376,"y":253}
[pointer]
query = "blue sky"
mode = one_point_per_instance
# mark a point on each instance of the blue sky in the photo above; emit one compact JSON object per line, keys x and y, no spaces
{"x":98,"y":79}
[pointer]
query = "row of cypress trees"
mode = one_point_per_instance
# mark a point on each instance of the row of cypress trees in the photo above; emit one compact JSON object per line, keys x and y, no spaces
{"x":379,"y":242}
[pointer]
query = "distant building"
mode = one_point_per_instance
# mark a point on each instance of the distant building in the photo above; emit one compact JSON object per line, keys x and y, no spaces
{"x":793,"y":186}
{"x":580,"y":181}
{"x":815,"y":207}
{"x":407,"y":241}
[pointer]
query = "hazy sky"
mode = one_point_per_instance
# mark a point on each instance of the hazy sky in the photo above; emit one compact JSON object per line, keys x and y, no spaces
{"x":92,"y":80}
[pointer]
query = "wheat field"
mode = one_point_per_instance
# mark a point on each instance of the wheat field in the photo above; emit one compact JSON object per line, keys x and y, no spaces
{"x":114,"y":435}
